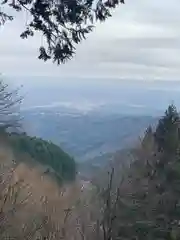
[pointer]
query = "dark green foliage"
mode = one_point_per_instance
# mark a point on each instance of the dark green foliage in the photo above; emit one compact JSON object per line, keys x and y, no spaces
{"x":47,"y":154}
{"x":148,"y":139}
{"x":149,"y":197}
{"x":167,"y":133}
{"x":63,"y":23}
{"x":154,"y":194}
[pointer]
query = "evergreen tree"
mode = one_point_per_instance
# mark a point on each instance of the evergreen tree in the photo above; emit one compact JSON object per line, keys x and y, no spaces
{"x":46,"y":153}
{"x":150,"y":207}
{"x":167,"y":133}
{"x":148,"y":139}
{"x":63,"y":23}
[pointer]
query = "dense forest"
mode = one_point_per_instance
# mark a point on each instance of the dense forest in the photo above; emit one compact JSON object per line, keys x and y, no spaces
{"x":45,"y":153}
{"x":143,"y":201}
{"x":136,"y":199}
{"x":135,"y":196}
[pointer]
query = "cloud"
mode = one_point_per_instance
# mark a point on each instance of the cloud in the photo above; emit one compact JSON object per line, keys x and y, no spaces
{"x":140,"y":41}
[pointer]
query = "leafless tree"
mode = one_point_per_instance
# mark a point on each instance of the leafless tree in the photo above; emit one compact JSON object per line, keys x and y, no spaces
{"x":11,"y":201}
{"x":9,"y":107}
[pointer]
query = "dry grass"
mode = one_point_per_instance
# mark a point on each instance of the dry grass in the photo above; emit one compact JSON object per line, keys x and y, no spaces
{"x":35,"y":206}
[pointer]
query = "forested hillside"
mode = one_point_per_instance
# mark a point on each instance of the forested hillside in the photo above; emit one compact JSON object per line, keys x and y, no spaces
{"x":45,"y":153}
{"x":86,"y":136}
{"x":138,"y":199}
{"x":141,"y":200}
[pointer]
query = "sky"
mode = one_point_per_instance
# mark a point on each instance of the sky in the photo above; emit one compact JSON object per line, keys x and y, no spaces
{"x":141,"y":41}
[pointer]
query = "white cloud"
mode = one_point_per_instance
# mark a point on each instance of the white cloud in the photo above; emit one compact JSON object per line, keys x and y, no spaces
{"x":140,"y":41}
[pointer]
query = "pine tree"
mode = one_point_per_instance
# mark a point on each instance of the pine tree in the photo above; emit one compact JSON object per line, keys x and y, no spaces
{"x":63,"y":24}
{"x":150,"y":207}
{"x":167,"y":133}
{"x":148,"y":139}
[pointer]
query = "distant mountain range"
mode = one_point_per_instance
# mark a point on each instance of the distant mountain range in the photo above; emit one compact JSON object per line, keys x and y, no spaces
{"x":92,"y":117}
{"x":88,"y":132}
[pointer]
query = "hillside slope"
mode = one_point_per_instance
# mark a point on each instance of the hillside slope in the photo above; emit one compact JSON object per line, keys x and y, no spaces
{"x":52,"y":157}
{"x":36,"y":199}
{"x":86,"y":136}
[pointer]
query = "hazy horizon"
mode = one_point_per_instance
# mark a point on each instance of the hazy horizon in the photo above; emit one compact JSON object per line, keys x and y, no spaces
{"x":86,"y":95}
{"x":131,"y":60}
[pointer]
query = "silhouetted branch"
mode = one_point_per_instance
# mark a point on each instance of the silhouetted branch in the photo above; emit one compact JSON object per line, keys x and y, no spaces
{"x":63,"y":24}
{"x":9,"y":107}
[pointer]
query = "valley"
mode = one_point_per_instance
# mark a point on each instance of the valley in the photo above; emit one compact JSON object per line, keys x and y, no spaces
{"x":87,"y":135}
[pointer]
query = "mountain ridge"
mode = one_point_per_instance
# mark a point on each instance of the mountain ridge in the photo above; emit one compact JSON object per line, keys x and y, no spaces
{"x":86,"y":136}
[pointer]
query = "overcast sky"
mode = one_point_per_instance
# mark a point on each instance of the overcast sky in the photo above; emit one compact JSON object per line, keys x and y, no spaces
{"x":140,"y":41}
